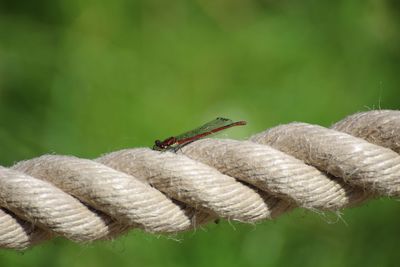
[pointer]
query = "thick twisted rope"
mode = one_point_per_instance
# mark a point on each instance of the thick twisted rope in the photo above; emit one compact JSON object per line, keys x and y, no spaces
{"x":292,"y":165}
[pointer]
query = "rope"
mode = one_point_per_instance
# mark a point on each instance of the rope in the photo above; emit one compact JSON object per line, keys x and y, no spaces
{"x":288,"y":166}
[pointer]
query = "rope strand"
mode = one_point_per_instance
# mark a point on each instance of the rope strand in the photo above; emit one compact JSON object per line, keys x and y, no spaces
{"x":288,"y":166}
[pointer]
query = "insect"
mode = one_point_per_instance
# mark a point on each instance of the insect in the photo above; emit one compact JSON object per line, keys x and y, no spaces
{"x":173,"y":143}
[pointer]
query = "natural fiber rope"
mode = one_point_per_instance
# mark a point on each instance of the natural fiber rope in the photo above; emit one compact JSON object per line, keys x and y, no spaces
{"x":291,"y":165}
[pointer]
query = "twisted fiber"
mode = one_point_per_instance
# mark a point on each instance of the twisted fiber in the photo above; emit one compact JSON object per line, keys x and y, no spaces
{"x":286,"y":166}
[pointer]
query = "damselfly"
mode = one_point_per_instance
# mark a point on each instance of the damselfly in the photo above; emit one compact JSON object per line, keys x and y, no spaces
{"x":173,"y":143}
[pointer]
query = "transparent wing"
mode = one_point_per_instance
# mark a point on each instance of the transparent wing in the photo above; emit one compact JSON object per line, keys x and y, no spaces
{"x":209,"y":126}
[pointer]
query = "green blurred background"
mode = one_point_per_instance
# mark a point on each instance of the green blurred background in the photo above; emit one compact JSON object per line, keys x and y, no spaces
{"x":89,"y":77}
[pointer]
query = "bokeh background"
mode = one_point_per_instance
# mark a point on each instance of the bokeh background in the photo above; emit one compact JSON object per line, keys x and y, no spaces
{"x":88,"y":77}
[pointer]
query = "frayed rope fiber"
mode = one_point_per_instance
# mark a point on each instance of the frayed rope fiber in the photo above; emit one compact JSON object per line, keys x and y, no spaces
{"x":288,"y":166}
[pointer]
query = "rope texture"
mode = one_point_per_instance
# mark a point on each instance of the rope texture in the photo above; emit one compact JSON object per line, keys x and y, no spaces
{"x":288,"y":166}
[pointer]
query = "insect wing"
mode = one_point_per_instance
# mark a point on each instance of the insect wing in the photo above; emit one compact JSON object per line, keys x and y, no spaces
{"x":209,"y":126}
